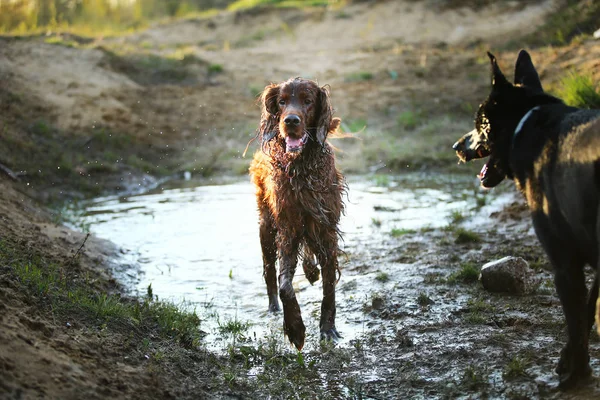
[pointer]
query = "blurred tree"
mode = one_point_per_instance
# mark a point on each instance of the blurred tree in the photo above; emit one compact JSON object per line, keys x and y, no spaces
{"x":94,"y":15}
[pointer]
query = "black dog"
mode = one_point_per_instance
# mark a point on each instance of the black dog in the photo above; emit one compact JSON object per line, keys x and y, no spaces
{"x":552,"y":151}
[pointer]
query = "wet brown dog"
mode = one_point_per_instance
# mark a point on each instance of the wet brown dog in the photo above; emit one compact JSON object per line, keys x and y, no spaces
{"x":299,"y":195}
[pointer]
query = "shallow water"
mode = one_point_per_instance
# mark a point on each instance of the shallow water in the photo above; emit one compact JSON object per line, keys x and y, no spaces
{"x":199,"y":242}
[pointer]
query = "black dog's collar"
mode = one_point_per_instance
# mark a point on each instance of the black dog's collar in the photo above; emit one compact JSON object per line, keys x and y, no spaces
{"x":523,"y":120}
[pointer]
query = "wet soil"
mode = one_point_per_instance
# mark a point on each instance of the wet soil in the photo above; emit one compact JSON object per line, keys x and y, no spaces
{"x":79,"y":119}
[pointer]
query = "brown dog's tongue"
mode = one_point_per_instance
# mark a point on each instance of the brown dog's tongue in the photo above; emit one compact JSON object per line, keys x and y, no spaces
{"x":293,"y":145}
{"x":290,"y":142}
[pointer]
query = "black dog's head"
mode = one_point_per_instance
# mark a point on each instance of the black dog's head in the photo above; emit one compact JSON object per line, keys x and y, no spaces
{"x":498,"y":118}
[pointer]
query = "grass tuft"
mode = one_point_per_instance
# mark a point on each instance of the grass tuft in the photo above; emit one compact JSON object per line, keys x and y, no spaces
{"x":474,"y":378}
{"x":397,"y":232}
{"x":408,"y":120}
{"x":464,"y":236}
{"x":516,"y":367}
{"x":215,"y":68}
{"x":360,"y":76}
{"x":468,"y":273}
{"x":424,"y":300}
{"x":456,"y":217}
{"x":234,"y":327}
{"x":579,"y":90}
{"x":382,"y":277}
{"x":246,"y":4}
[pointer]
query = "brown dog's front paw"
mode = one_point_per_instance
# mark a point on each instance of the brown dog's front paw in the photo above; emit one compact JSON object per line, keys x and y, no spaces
{"x":296,"y":332}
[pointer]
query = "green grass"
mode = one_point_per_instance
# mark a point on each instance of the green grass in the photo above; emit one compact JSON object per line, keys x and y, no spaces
{"x":463,"y":236}
{"x":475,"y":318}
{"x":408,"y":120}
{"x":476,"y":311}
{"x":41,"y":281}
{"x":397,"y":232}
{"x":516,"y":368}
{"x":215,"y":68}
{"x":60,"y":41}
{"x":479,"y":305}
{"x":42,"y":128}
{"x":360,"y":76}
{"x":574,"y":19}
{"x":579,"y":90}
{"x":468,"y":273}
{"x":246,"y":4}
{"x":456,"y":217}
{"x":381,"y":180}
{"x":255,"y":90}
{"x":382,"y":277}
{"x":52,"y":284}
{"x":234,"y":327}
{"x":474,"y":377}
{"x":354,"y":125}
{"x":431,"y":278}
{"x":423,"y":299}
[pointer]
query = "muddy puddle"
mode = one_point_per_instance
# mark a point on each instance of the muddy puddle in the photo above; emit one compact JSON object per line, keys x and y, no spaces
{"x":198,"y":243}
{"x":413,"y":326}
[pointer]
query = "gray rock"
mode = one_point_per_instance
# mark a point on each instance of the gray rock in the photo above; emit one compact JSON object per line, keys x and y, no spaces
{"x":508,"y":275}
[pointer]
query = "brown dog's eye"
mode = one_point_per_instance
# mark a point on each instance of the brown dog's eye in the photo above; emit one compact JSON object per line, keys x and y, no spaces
{"x":308,"y":101}
{"x":282,"y":103}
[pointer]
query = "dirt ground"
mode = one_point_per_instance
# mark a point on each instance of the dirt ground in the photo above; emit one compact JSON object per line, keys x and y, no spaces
{"x":81,"y":117}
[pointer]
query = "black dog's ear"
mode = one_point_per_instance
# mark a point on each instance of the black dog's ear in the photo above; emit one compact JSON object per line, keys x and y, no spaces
{"x":498,"y":78}
{"x":525,"y":73}
{"x":325,"y":116}
{"x":270,"y":113}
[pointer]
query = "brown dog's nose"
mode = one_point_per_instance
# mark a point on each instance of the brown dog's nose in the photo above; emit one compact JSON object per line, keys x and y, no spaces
{"x":292,"y":120}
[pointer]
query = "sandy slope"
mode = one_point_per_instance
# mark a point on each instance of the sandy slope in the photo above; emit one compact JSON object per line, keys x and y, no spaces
{"x":325,"y":44}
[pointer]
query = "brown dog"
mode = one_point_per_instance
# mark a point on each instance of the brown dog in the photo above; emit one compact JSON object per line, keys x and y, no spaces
{"x":299,"y":195}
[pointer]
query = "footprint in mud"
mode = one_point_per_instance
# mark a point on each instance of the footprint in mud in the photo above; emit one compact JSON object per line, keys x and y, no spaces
{"x":36,"y":325}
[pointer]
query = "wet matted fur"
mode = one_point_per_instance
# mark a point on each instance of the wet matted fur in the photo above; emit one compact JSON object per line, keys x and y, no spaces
{"x":552,"y":151}
{"x":299,"y":194}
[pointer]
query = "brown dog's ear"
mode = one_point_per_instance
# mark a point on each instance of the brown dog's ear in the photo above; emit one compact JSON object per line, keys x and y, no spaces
{"x":270,"y":113}
{"x":335,"y":124}
{"x":498,"y":78}
{"x":325,"y":122}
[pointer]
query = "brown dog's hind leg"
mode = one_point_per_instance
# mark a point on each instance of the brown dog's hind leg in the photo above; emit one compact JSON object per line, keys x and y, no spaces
{"x":329,"y":264}
{"x":309,"y":265}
